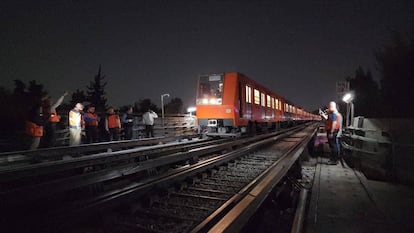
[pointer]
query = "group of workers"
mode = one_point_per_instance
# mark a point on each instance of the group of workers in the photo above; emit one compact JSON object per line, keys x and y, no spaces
{"x":42,"y":120}
{"x":333,"y":127}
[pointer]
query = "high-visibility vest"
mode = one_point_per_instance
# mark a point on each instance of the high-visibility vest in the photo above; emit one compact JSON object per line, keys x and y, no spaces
{"x":113,"y":122}
{"x":33,"y":129}
{"x":75,"y":119}
{"x":93,"y":122}
{"x":328,"y":125}
{"x":54,"y":117}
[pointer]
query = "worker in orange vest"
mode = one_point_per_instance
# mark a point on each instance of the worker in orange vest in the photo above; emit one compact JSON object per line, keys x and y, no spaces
{"x":112,"y":124}
{"x":91,"y":125}
{"x":333,"y":127}
{"x":51,"y":119}
{"x":34,"y":126}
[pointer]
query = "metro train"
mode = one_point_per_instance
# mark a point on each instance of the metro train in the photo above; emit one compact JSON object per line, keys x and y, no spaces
{"x":232,"y":104}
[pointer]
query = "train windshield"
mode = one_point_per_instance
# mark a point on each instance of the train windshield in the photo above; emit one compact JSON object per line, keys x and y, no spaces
{"x":210,"y":89}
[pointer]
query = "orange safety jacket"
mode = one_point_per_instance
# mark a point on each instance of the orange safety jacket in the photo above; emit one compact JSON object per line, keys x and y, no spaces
{"x":114,"y":122}
{"x":54,"y":117}
{"x":33,"y":129}
{"x":92,"y":119}
{"x":328,"y":125}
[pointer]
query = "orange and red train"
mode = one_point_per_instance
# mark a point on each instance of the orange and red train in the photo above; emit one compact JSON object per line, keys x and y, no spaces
{"x":232,"y":103}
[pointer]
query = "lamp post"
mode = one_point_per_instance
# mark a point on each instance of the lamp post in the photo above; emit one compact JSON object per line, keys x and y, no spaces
{"x":347,"y":98}
{"x":162,"y":110}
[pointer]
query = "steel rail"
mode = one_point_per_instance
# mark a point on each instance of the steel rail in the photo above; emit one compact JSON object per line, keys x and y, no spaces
{"x":237,"y":216}
{"x":56,"y":153}
{"x":49,"y":188}
{"x":132,"y":192}
{"x":11,"y":173}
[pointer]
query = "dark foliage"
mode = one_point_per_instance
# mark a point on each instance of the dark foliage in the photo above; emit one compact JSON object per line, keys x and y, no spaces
{"x":366,"y":92}
{"x":96,"y":92}
{"x":143,"y":105}
{"x":396,"y":65}
{"x":175,"y":106}
{"x":78,"y":97}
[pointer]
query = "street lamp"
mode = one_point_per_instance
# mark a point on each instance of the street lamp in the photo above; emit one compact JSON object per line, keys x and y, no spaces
{"x":347,"y":98}
{"x":162,"y":110}
{"x":191,"y":110}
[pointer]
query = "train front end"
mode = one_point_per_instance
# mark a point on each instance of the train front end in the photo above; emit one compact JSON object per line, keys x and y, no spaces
{"x":216,"y":111}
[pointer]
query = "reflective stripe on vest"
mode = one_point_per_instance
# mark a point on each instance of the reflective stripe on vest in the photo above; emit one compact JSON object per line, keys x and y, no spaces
{"x":34,"y":130}
{"x":113,"y":121}
{"x":54,"y":117}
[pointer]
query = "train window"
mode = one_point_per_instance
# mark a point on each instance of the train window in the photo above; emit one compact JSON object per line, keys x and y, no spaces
{"x":263,"y":99}
{"x":273,"y":103}
{"x":248,"y":94}
{"x":269,"y":102}
{"x":256,"y":96}
{"x":277,"y":104}
{"x":210,"y":89}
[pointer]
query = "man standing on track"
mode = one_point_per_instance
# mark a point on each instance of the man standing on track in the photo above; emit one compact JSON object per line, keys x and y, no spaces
{"x":51,"y":119}
{"x":148,"y":120}
{"x":113,"y":124}
{"x":91,"y":125}
{"x":75,"y":125}
{"x":34,"y":126}
{"x":128,"y":123}
{"x":333,"y":126}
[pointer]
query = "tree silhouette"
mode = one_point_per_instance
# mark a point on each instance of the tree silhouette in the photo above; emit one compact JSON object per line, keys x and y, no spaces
{"x":19,"y":87}
{"x":175,"y":106}
{"x":396,"y":65}
{"x":143,"y":105}
{"x":78,"y":97}
{"x":366,"y":93}
{"x":96,"y":92}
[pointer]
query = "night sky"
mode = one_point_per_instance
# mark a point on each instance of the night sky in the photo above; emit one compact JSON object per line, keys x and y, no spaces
{"x":299,"y":49}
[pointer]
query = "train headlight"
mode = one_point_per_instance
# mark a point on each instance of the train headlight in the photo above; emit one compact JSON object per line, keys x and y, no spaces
{"x":204,"y":101}
{"x":213,"y":101}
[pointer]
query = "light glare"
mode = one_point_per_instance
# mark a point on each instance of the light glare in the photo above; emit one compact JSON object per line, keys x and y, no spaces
{"x":191,"y":109}
{"x":347,"y":97}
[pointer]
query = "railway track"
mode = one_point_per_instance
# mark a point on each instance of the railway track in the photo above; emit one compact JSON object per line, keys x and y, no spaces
{"x":209,"y":191}
{"x":25,"y":182}
{"x":23,"y":157}
{"x":210,"y":182}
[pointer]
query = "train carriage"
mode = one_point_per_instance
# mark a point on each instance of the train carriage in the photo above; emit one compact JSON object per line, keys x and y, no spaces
{"x":231,"y":103}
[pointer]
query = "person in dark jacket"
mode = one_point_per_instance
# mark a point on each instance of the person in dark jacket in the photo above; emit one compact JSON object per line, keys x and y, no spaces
{"x":127,"y":123}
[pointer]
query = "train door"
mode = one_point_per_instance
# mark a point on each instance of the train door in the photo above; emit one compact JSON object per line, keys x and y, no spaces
{"x":241,"y":102}
{"x":263,"y":105}
{"x":248,"y":102}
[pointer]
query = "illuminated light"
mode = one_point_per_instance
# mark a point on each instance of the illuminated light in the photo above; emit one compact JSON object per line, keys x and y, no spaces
{"x":204,"y":101}
{"x":213,"y":101}
{"x":347,"y":97}
{"x":191,"y":109}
